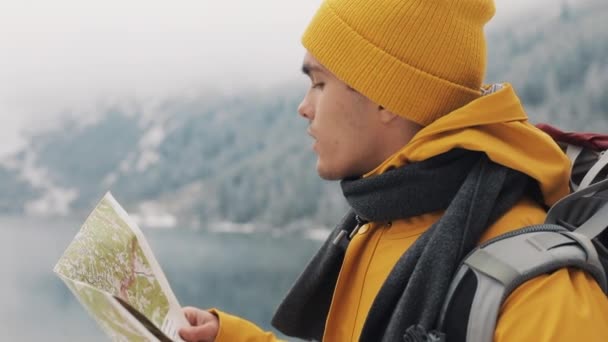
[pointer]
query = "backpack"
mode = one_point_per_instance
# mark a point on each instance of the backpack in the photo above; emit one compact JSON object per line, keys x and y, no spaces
{"x":574,"y":235}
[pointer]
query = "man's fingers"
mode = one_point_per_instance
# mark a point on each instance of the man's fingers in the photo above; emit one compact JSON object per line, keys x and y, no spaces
{"x":191,"y":314}
{"x":204,"y":333}
{"x":204,"y":325}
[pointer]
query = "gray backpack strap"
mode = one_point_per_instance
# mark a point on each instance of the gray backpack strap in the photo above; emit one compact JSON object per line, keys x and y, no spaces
{"x":584,"y":211}
{"x":587,"y":165}
{"x":504,"y":263}
{"x":575,"y":235}
{"x":594,"y":171}
{"x":573,"y":152}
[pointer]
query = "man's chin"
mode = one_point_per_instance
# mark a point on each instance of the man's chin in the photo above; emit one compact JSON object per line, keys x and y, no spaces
{"x":326,"y":174}
{"x":331,"y":174}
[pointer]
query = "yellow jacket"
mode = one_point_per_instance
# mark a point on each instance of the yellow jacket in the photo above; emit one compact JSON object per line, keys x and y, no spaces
{"x":567,"y":305}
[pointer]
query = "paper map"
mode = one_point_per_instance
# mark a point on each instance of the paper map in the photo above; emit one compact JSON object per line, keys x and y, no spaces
{"x":108,"y":266}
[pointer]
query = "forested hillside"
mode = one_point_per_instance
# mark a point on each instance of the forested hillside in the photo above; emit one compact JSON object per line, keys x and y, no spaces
{"x":247,"y":158}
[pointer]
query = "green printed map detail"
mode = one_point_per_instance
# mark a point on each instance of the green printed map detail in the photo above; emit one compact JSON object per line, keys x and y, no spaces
{"x":106,"y":255}
{"x":107,"y":316}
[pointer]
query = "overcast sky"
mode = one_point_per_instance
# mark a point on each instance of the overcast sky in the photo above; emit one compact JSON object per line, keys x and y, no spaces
{"x":69,"y":54}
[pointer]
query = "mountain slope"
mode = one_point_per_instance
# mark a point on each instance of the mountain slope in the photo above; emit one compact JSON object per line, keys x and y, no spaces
{"x":246,"y":157}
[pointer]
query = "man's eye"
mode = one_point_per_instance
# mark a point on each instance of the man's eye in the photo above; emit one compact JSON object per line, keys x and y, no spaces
{"x":319,"y":85}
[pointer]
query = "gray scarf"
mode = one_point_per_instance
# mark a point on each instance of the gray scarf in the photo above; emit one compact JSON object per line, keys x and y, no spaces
{"x":471,"y":189}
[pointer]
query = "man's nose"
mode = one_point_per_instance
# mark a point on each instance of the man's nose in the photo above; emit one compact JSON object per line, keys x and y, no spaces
{"x":305,"y":109}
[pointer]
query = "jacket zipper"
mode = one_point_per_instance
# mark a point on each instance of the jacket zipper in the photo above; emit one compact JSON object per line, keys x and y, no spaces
{"x":360,"y":223}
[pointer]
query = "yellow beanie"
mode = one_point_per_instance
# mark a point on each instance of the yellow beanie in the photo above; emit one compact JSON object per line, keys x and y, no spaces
{"x":420,"y":59}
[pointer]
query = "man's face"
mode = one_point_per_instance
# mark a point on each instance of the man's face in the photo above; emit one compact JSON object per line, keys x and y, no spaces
{"x":344,"y":124}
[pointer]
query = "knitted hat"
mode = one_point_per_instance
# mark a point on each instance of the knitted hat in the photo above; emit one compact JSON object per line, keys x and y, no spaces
{"x":420,"y":59}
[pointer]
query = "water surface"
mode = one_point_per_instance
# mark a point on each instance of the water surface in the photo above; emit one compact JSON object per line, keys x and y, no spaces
{"x":245,"y":274}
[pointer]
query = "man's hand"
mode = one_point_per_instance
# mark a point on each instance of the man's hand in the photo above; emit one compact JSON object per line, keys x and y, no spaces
{"x":204,"y":327}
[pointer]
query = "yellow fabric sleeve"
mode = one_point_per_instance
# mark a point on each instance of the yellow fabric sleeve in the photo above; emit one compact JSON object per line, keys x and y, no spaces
{"x":567,"y":305}
{"x":233,"y":328}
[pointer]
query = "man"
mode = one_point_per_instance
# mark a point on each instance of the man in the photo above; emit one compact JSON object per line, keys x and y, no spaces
{"x":432,"y":164}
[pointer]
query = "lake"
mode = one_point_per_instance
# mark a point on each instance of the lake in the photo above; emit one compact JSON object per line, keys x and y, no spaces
{"x":244,"y":274}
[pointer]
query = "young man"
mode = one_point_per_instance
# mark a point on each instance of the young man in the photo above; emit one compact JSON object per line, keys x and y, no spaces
{"x":432,"y":165}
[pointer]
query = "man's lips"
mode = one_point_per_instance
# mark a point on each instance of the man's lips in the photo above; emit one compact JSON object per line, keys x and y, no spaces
{"x":314,"y":143}
{"x":311,"y":134}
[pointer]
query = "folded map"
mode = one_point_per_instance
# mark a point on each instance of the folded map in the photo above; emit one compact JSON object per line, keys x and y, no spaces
{"x":110,"y":268}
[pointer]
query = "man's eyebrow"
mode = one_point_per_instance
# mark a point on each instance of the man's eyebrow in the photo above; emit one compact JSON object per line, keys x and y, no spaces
{"x":307,"y":69}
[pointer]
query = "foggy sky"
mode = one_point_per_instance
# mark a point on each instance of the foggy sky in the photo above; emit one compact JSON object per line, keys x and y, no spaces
{"x":71,"y":54}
